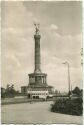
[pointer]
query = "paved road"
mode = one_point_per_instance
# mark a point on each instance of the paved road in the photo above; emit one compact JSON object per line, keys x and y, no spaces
{"x":35,"y":113}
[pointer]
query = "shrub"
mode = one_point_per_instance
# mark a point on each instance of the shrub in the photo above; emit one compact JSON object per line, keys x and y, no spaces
{"x":68,"y":106}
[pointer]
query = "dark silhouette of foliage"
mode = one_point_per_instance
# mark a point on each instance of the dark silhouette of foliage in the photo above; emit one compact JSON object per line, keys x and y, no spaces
{"x":9,"y":91}
{"x":77,"y":91}
{"x":68,"y":106}
{"x":2,"y":92}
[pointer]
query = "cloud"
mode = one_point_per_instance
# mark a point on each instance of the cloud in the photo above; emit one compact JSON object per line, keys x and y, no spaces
{"x":60,"y":49}
{"x":13,"y":60}
{"x":10,"y":13}
{"x":65,"y":47}
{"x":54,"y":27}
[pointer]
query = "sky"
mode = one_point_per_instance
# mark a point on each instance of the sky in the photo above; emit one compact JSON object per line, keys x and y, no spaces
{"x":61,"y":40}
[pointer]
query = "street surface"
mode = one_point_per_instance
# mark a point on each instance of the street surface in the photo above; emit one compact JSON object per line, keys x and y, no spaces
{"x":38,"y":112}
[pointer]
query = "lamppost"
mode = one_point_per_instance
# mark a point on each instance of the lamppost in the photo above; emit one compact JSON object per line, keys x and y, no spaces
{"x":68,"y":68}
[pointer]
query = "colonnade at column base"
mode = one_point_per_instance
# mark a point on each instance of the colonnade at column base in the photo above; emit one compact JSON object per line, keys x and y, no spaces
{"x":38,"y":79}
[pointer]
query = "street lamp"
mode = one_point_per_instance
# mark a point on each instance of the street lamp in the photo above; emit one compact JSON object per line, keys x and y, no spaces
{"x":68,"y":76}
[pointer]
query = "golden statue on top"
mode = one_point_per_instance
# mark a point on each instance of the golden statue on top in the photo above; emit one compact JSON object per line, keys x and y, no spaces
{"x":37,"y":28}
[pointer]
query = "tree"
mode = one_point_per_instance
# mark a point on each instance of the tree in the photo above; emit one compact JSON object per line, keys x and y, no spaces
{"x":3,"y":92}
{"x":10,"y":91}
{"x":76,"y":91}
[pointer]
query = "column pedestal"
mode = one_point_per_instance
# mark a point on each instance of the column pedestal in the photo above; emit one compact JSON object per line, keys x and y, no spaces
{"x":37,"y":79}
